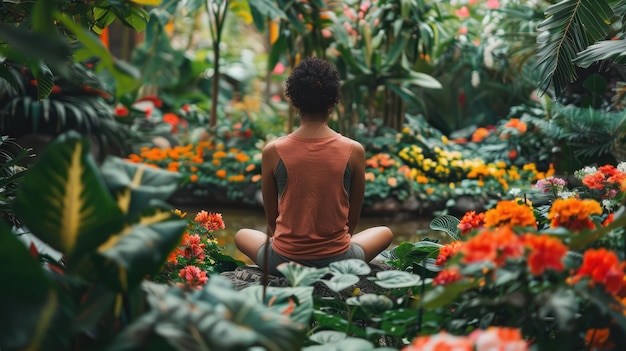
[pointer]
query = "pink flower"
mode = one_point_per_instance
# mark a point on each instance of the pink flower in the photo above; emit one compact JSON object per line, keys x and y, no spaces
{"x":463,"y":12}
{"x":462,"y":30}
{"x":279,"y":68}
{"x":493,"y":4}
{"x":498,"y":338}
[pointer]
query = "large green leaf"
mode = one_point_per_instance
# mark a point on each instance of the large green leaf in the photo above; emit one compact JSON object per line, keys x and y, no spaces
{"x":126,"y":80}
{"x":29,"y":302}
{"x":137,"y":186}
{"x":351,"y":266}
{"x":569,"y":28}
{"x":141,"y":249}
{"x":372,"y":304}
{"x":340,"y":281}
{"x":614,"y":50}
{"x":448,"y":224}
{"x":396,"y":279}
{"x":299,"y":275}
{"x":214,"y":318}
{"x":296,"y":302}
{"x":63,"y":199}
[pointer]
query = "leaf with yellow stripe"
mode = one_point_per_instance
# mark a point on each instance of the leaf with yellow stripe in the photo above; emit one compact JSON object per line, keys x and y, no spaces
{"x":30,"y":303}
{"x":64,"y":201}
{"x":139,"y":250}
{"x":136,"y":186}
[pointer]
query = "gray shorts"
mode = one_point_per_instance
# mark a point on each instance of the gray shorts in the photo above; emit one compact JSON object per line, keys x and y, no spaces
{"x":355,"y":251}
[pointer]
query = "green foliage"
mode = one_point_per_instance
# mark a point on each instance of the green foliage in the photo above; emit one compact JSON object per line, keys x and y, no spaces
{"x":570,"y":27}
{"x":11,"y":174}
{"x":105,"y":253}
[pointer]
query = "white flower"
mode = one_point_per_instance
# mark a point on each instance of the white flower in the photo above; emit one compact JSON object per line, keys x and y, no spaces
{"x":475,"y":79}
{"x":515,"y":191}
{"x":566,"y":194}
{"x":622,"y":167}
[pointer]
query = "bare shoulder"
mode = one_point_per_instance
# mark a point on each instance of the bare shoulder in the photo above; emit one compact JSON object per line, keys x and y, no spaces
{"x":357,"y":148}
{"x":270,"y":148}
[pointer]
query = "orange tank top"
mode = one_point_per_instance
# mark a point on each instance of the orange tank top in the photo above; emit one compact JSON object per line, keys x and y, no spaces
{"x":313,"y":209}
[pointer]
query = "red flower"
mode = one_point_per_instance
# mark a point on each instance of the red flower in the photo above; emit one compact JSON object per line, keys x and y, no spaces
{"x":512,"y":154}
{"x":493,"y":245}
{"x":210,"y":221}
{"x":447,"y":276}
{"x":470,"y":221}
{"x":545,"y":253}
{"x":121,"y":111}
{"x":447,"y":251}
{"x":603,"y":267}
{"x":193,"y":276}
{"x":158,"y":103}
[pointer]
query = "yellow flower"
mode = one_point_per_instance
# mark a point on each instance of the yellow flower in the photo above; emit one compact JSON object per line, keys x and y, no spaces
{"x":179,"y":213}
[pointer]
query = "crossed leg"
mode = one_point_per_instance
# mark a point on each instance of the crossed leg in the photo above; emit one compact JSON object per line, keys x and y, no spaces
{"x":373,"y":241}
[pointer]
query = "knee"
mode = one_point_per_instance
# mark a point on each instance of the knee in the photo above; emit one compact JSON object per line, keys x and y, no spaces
{"x":387,"y":234}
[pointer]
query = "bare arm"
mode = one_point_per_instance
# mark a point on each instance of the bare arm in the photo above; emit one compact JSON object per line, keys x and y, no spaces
{"x":357,"y":186}
{"x":269,"y":190}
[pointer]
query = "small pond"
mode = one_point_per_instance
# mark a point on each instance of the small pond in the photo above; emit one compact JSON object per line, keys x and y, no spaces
{"x":404,"y":227}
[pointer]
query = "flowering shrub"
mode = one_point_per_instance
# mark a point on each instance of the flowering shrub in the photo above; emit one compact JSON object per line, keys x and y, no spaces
{"x":544,"y":279}
{"x":206,"y":163}
{"x":493,"y":338}
{"x":198,"y":253}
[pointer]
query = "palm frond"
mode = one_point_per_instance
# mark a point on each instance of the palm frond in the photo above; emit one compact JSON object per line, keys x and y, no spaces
{"x":570,"y":26}
{"x":611,"y":50}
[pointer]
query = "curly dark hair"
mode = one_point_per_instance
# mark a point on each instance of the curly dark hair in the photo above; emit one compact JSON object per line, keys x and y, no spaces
{"x":314,"y":86}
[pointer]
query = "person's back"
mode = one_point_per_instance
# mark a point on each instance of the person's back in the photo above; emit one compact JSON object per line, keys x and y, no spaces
{"x":313,"y":206}
{"x":313,"y":184}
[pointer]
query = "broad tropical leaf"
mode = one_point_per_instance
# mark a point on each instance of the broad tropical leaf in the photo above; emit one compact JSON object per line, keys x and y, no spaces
{"x":214,"y":318}
{"x":570,"y":27}
{"x":341,"y":281}
{"x":351,"y":266}
{"x":396,"y":279}
{"x":141,"y":249}
{"x":297,"y":303}
{"x":613,"y":50}
{"x":448,"y":224}
{"x":372,"y":304}
{"x":299,"y":275}
{"x":136,"y":186}
{"x":30,"y":302}
{"x":64,"y":201}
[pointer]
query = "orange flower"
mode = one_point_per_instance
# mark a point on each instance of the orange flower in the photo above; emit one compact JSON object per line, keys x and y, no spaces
{"x":219,"y":154}
{"x":440,"y":341}
{"x":493,"y":245}
{"x":608,"y":220}
{"x":470,"y":221}
{"x":573,"y":213}
{"x":241,"y":157}
{"x":598,"y":339}
{"x":369,"y":176}
{"x":392,"y":182}
{"x":193,"y":168}
{"x":193,"y":178}
{"x":447,"y":251}
{"x":447,"y":276}
{"x":510,"y":213}
{"x":250,"y":167}
{"x":220,"y":173}
{"x":194,"y":277}
{"x":516,"y":123}
{"x":480,"y":134}
{"x":255,"y":178}
{"x":603,"y":267}
{"x":545,"y":253}
{"x":210,"y":221}
{"x":237,"y":178}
